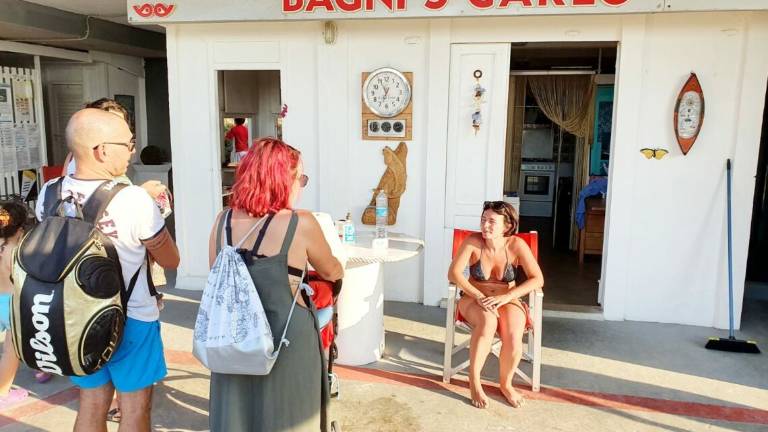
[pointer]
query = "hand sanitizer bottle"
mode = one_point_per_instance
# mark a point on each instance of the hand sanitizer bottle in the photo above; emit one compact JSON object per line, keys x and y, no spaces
{"x":349,"y":229}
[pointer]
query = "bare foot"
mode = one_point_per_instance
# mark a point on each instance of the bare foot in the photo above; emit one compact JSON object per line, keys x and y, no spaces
{"x":513,"y":397}
{"x":479,"y":399}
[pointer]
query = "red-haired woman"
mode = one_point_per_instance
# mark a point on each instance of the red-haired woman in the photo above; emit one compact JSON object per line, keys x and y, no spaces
{"x":293,"y":396}
{"x":490,"y":299}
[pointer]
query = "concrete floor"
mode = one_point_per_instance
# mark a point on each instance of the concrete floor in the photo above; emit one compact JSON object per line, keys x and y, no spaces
{"x":606,"y":376}
{"x":567,"y":282}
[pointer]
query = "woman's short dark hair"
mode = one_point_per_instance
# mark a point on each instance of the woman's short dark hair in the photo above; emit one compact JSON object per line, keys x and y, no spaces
{"x":110,"y":105}
{"x":510,"y":215}
{"x":14,"y":215}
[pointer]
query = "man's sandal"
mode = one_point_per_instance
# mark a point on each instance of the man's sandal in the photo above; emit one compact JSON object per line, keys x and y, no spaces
{"x":114,"y":415}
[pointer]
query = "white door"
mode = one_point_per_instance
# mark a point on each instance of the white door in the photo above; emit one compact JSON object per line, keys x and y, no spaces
{"x":475,"y":159}
{"x":65,"y":99}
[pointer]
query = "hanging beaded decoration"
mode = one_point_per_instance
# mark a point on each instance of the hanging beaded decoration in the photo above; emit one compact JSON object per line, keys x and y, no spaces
{"x":477,"y":116}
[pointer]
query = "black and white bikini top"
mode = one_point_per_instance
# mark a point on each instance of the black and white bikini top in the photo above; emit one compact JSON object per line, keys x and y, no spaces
{"x":476,"y":270}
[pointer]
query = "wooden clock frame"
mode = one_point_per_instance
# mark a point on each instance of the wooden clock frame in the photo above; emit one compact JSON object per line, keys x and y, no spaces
{"x":406,"y":115}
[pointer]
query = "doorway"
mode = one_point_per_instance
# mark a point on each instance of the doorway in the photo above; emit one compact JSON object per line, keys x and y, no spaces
{"x":755,"y":306}
{"x":249,"y":108}
{"x":559,"y":126}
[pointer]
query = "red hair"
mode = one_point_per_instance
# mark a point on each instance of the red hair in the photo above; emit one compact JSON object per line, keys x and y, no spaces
{"x":265,"y":177}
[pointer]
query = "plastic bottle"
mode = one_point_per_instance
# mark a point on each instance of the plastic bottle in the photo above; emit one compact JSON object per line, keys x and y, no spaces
{"x":349,"y":229}
{"x":382,"y":210}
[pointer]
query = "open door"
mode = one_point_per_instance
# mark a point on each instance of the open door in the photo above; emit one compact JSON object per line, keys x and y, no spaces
{"x":475,"y":157}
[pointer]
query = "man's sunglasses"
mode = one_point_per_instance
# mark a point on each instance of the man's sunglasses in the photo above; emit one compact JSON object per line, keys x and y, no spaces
{"x":131,"y":145}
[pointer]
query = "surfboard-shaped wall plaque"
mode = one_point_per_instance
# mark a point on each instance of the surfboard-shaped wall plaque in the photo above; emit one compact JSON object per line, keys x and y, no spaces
{"x":689,"y":113}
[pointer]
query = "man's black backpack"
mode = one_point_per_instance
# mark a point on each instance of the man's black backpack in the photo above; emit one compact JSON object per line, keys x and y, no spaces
{"x":69,"y":301}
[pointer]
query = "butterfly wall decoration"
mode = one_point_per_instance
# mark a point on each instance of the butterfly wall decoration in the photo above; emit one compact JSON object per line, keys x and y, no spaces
{"x":656,"y":153}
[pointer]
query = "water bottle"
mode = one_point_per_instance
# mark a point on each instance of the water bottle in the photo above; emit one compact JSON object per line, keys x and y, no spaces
{"x":382,"y":210}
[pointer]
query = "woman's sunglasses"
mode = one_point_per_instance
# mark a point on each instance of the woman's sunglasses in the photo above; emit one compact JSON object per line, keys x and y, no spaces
{"x":303,"y":180}
{"x":495,"y":205}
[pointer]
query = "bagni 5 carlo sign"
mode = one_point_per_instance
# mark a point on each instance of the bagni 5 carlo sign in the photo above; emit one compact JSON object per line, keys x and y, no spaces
{"x":293,"y":6}
{"x":189,"y":11}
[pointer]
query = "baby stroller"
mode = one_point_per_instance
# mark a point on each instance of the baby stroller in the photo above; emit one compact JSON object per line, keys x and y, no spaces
{"x":324,"y":296}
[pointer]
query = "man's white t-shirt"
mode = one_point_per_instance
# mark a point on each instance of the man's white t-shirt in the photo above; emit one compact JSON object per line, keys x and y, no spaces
{"x":130,"y":217}
{"x":71,"y":167}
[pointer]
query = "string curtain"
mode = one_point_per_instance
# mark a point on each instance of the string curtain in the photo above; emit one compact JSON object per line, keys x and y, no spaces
{"x":569,"y":102}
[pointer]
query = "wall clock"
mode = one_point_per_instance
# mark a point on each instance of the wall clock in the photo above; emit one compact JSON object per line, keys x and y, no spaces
{"x":387,"y":105}
{"x":386,"y":92}
{"x":689,"y":113}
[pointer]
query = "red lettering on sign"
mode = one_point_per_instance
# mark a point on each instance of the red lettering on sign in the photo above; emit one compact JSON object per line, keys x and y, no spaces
{"x":543,"y":3}
{"x":326,"y":4}
{"x":290,"y":6}
{"x":505,"y":3}
{"x":144,"y":11}
{"x":435,"y":4}
{"x":349,"y":6}
{"x":369,"y":6}
{"x":482,"y":4}
{"x":162,"y":10}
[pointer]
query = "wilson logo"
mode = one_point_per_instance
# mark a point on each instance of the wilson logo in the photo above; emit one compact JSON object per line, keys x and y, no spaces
{"x":41,"y":343}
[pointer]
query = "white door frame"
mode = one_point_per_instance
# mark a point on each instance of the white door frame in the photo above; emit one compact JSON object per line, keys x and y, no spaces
{"x":437,"y":237}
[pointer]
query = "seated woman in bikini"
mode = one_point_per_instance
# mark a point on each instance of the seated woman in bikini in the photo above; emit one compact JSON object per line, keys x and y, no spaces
{"x":490,"y":299}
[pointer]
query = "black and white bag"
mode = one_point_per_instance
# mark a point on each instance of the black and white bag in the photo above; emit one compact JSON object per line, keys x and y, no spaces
{"x":70,"y":300}
{"x":232,"y":334}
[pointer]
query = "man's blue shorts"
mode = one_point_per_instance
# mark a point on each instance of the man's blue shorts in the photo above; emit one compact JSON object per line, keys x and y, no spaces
{"x":138,"y":362}
{"x":5,"y":312}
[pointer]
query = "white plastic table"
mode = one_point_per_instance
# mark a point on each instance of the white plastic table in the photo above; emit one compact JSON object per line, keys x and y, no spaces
{"x":360,"y":305}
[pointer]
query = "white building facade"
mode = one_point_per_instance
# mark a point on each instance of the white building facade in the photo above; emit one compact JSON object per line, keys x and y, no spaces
{"x":665,"y":241}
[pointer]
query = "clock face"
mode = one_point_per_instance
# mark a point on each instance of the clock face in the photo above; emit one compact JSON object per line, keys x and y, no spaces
{"x":689,"y":114}
{"x":386,"y":92}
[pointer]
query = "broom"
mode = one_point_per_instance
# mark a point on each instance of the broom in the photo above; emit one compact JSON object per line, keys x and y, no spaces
{"x":731,"y":343}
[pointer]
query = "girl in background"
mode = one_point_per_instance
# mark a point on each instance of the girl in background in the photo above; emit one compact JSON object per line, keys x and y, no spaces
{"x":15,"y":220}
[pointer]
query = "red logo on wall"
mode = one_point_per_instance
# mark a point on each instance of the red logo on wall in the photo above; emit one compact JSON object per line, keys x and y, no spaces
{"x":161,"y":10}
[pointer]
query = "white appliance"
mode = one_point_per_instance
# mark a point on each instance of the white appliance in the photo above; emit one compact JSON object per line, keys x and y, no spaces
{"x":538,"y":143}
{"x":537,"y":188}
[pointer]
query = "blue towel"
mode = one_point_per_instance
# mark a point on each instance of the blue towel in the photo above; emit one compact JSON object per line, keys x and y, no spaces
{"x":595,"y":187}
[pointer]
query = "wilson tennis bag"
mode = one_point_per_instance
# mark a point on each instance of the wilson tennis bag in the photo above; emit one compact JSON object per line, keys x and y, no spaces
{"x":69,"y":299}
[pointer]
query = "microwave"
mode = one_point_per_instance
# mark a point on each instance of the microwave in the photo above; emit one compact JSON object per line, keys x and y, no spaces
{"x":538,"y":143}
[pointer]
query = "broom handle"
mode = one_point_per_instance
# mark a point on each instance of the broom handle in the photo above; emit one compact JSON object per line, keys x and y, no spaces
{"x":730,"y":254}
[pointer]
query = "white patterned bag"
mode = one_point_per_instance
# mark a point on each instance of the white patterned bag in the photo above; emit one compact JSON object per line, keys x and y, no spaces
{"x":232,"y":334}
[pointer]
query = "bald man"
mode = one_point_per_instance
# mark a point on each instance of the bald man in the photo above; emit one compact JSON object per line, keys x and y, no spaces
{"x":102,"y":145}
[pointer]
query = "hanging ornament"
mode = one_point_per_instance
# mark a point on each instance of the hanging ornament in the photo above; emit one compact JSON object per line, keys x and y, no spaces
{"x":279,"y":121}
{"x":477,"y":115}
